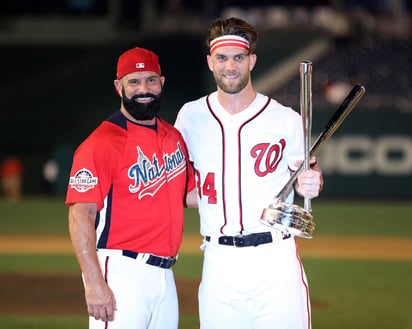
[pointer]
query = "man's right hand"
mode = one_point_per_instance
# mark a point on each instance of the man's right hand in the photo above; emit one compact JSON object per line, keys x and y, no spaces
{"x":101,"y":303}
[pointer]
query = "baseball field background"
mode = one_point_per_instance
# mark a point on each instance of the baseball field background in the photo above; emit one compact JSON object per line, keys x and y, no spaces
{"x":359,"y":266}
{"x":58,"y":86}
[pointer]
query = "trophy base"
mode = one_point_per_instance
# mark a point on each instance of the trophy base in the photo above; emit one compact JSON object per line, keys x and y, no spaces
{"x":289,"y":218}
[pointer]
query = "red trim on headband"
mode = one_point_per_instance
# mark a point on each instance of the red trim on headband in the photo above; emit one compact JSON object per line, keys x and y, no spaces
{"x":229,"y":41}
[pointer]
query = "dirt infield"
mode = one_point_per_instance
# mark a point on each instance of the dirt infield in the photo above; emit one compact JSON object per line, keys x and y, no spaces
{"x":62,"y":294}
{"x":318,"y":247}
{"x":34,"y":293}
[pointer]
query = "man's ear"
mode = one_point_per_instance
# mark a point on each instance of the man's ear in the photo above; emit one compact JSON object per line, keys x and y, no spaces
{"x":118,"y":86}
{"x":253,"y":59}
{"x":209,"y":62}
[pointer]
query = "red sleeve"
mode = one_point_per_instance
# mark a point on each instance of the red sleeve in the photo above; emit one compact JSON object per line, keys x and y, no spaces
{"x":92,"y":169}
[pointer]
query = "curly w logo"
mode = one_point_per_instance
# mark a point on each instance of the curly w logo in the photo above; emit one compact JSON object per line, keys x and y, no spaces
{"x":267,"y":157}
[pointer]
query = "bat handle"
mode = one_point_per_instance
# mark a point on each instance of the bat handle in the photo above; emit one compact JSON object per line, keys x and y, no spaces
{"x":333,"y":124}
{"x":306,"y":114}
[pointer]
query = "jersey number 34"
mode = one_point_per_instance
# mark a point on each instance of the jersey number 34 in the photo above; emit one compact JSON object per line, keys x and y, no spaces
{"x":208,"y":189}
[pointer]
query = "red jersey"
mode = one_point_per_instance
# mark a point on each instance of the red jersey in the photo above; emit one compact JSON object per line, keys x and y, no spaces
{"x":139,"y":178}
{"x":11,"y":167}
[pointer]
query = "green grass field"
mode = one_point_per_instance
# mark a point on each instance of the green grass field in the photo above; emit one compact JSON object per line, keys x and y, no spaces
{"x":346,"y":293}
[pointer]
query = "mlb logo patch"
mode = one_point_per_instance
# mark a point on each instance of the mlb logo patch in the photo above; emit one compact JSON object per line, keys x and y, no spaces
{"x":140,"y":65}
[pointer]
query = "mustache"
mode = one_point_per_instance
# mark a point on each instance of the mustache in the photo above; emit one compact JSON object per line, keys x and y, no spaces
{"x":146,"y":95}
{"x":142,"y":111}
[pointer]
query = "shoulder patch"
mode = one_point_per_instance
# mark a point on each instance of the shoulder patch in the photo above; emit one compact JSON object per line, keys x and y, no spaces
{"x":83,"y":180}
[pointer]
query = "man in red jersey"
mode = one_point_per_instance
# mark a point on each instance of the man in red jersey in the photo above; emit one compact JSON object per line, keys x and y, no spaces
{"x":129,"y":183}
{"x":11,"y":173}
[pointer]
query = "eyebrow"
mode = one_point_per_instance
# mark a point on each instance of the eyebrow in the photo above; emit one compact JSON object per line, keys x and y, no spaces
{"x":231,"y":55}
{"x":154,"y":76}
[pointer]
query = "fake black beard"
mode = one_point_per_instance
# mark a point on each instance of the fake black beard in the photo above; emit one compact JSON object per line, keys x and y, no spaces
{"x":142,"y":111}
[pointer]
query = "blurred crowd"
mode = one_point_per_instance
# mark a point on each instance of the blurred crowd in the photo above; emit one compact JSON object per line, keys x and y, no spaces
{"x":337,"y":16}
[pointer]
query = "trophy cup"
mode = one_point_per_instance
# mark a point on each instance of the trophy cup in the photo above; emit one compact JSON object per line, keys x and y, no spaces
{"x":290,"y":218}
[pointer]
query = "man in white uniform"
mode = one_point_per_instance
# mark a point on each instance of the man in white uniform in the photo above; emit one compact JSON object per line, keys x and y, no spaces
{"x":244,"y":146}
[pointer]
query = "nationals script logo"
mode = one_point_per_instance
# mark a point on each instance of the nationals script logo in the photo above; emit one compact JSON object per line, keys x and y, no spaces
{"x":267,"y":157}
{"x":148,"y":176}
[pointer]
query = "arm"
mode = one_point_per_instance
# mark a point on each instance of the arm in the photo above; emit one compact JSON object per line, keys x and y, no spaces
{"x":309,"y":183}
{"x":191,"y":199}
{"x":99,"y":298}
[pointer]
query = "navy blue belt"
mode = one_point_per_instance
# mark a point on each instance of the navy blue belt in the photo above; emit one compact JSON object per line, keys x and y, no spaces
{"x":253,"y":239}
{"x":163,"y":262}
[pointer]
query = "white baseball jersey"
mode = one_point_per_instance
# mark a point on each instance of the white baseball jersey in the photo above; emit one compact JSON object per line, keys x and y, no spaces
{"x":241,"y":160}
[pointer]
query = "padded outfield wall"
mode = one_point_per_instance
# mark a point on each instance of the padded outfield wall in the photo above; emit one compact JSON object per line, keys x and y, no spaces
{"x":370,"y":155}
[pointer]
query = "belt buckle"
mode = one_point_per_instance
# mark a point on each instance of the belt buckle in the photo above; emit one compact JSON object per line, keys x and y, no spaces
{"x":167,"y":262}
{"x":239,"y":241}
{"x":162,"y":262}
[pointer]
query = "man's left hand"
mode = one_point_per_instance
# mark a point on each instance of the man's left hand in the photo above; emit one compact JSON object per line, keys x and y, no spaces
{"x":309,"y":182}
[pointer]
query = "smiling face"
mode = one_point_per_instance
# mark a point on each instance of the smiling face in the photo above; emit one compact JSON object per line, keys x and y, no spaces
{"x":141,"y":94}
{"x":231,"y":67}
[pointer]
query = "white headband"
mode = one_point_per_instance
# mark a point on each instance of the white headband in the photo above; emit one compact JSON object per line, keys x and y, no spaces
{"x":229,"y":41}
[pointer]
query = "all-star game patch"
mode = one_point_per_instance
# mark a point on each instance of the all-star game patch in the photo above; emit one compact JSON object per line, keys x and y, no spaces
{"x":83,"y":180}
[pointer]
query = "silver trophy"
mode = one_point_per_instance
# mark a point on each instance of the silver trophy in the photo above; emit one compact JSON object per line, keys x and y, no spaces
{"x":290,"y":218}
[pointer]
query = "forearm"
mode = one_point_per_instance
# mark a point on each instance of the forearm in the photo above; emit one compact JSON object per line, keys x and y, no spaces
{"x":83,"y":237}
{"x":101,"y":303}
{"x":191,"y":199}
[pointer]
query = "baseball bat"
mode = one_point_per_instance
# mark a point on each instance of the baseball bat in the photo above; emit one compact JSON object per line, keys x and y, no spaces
{"x":306,"y":113}
{"x":333,"y":124}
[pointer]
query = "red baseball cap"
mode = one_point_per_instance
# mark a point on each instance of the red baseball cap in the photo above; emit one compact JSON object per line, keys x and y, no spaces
{"x":136,"y":60}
